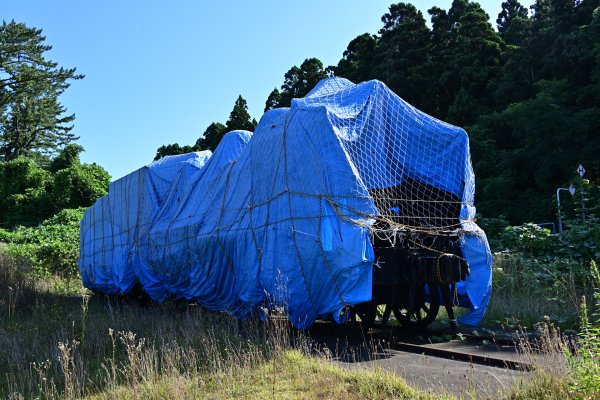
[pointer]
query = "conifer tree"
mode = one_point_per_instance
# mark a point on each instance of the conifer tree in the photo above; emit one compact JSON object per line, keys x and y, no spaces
{"x":239,"y":118}
{"x":32,"y":120}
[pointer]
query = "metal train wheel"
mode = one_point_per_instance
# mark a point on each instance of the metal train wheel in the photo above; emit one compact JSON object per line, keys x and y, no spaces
{"x":426,"y":309}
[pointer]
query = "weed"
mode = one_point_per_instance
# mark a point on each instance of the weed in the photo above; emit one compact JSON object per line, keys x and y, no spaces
{"x":585,"y":362}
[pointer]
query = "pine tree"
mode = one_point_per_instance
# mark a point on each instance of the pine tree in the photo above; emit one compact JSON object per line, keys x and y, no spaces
{"x":32,"y":120}
{"x":358,"y":60}
{"x":513,"y":23}
{"x":402,"y":50}
{"x":273,"y":100}
{"x":239,"y":118}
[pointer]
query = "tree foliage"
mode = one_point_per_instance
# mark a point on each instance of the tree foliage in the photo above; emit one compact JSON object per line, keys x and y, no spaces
{"x":273,"y":100}
{"x":358,"y":60}
{"x":211,"y":137}
{"x":32,"y":120}
{"x":24,"y":188}
{"x":298,"y":81}
{"x":513,"y":22}
{"x":172,"y":150}
{"x":30,"y":193}
{"x":239,"y":118}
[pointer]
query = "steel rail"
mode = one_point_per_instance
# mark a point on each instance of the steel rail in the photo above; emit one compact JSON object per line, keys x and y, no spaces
{"x":462,"y":356}
{"x":389,"y":340}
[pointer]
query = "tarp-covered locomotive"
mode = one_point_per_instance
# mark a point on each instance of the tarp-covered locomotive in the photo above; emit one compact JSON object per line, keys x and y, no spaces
{"x":351,"y":197}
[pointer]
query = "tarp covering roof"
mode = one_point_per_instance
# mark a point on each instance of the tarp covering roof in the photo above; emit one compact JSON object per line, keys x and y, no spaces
{"x":283,"y":217}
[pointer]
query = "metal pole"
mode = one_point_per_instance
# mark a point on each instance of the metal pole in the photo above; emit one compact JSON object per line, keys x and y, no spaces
{"x":560,"y":228}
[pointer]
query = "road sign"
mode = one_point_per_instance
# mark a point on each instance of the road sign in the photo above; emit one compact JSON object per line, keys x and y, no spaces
{"x":581,"y":170}
{"x":572,"y":190}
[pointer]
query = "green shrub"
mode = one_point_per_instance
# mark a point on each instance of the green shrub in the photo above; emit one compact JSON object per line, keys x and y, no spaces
{"x":53,"y":246}
{"x":31,"y":192}
{"x":24,"y":188}
{"x":530,"y":239}
{"x":581,"y":240}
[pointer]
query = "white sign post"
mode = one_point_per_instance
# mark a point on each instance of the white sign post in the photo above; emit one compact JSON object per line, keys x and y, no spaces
{"x":581,"y":170}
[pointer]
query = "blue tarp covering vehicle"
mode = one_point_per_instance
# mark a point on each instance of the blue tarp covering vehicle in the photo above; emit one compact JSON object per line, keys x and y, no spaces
{"x":288,"y":216}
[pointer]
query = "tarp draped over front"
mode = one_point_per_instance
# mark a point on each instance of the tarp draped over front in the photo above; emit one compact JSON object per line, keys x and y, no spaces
{"x":281,"y":217}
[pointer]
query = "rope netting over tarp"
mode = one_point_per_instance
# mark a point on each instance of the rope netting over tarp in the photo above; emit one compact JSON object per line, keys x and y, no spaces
{"x":285,"y":217}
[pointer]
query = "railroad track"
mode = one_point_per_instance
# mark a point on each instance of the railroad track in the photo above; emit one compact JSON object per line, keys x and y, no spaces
{"x":472,"y":358}
{"x":497,"y":355}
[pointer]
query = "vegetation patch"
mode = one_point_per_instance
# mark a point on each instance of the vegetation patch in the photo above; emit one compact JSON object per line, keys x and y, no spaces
{"x":290,"y":375}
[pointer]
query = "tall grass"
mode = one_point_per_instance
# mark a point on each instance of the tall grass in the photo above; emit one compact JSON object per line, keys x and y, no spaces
{"x":117,"y":344}
{"x":529,"y":290}
{"x":543,"y":294}
{"x":55,"y":345}
{"x":15,"y":285}
{"x":585,"y":362}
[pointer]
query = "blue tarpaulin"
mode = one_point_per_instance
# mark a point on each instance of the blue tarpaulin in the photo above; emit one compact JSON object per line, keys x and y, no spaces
{"x":282,"y":217}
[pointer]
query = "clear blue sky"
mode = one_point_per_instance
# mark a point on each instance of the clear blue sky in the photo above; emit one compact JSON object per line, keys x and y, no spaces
{"x":160,"y":72}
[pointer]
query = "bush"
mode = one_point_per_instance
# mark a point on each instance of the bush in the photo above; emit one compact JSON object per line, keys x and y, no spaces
{"x":80,"y":185}
{"x":31,"y":192}
{"x":581,"y":240}
{"x":24,"y":188}
{"x":52,"y":247}
{"x":530,"y":239}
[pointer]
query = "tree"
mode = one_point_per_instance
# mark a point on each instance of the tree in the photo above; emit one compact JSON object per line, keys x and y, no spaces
{"x":511,"y":9}
{"x":298,"y":81}
{"x":172,"y":150}
{"x":467,"y":56}
{"x":32,"y":120}
{"x":402,"y":51}
{"x":513,"y":23}
{"x":211,"y":137}
{"x":68,"y":157}
{"x":358,"y":59}
{"x":239,"y":118}
{"x":79,"y":186}
{"x":273,"y":100}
